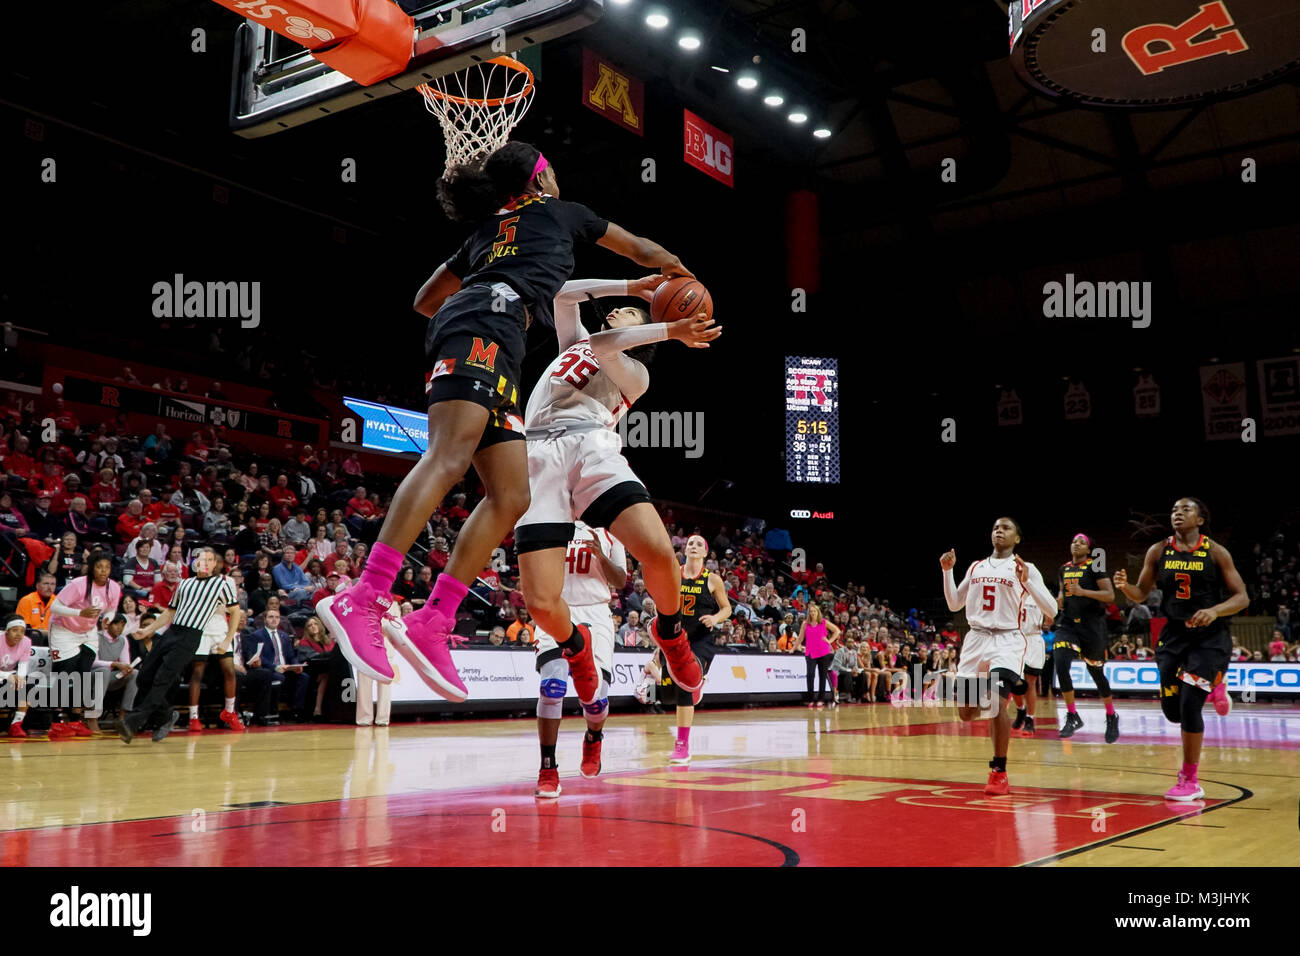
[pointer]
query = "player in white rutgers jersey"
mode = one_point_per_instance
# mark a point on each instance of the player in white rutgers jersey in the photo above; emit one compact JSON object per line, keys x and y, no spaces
{"x":595,"y":563}
{"x":576,"y":469}
{"x":994,"y":591}
{"x":1031,"y":626}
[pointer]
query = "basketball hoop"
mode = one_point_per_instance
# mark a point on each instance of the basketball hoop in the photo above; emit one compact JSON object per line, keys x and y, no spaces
{"x":479,"y":106}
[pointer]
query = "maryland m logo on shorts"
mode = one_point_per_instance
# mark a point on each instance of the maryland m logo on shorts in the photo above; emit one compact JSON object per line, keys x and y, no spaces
{"x":483,"y":356}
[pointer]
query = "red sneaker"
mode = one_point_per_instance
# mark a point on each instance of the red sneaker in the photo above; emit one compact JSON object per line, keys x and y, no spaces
{"x":231,"y":720}
{"x":16,"y":730}
{"x":590,"y":757}
{"x":195,"y":727}
{"x":78,"y":729}
{"x":683,"y":666}
{"x":997,"y":785}
{"x":548,"y":784}
{"x":582,"y":667}
{"x":60,"y":731}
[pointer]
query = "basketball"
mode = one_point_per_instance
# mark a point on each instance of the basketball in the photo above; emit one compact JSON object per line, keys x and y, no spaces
{"x":679,"y":298}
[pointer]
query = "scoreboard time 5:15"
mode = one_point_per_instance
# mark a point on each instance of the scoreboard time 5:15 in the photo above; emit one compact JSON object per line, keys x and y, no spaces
{"x":812,"y":421}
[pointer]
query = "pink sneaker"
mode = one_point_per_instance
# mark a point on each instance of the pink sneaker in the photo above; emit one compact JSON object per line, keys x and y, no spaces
{"x":1185,"y":790}
{"x":1221,"y":700}
{"x":353,"y":617}
{"x":426,"y":645}
{"x":681,"y":754}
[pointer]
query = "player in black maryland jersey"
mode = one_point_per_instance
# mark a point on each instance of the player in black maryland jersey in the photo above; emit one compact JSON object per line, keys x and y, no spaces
{"x":704,"y":607}
{"x":479,"y":304}
{"x":1081,"y":632}
{"x":1192,"y":573}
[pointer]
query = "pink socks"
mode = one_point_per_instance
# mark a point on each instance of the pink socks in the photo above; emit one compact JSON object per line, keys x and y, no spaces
{"x":381,"y":569}
{"x":683,"y":735}
{"x":1070,"y":708}
{"x":1189,"y":770}
{"x":1110,"y":707}
{"x":445,"y":599}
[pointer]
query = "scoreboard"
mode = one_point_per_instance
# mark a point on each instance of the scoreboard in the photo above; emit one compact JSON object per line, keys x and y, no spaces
{"x":812,"y":420}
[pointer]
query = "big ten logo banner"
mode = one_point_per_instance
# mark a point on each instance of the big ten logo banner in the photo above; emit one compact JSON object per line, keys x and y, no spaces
{"x":613,"y":93}
{"x":709,"y":149}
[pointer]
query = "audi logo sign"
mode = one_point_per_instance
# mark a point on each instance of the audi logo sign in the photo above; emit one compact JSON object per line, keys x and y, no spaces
{"x":800,"y":514}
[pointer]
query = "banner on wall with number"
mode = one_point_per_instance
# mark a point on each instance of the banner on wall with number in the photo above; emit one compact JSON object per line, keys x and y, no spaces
{"x":1223,"y":395}
{"x":709,"y":149}
{"x":1146,"y":396}
{"x":1279,"y":395}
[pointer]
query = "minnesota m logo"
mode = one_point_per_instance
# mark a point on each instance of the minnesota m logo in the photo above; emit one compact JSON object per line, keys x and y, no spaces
{"x":483,"y":357}
{"x":611,"y":93}
{"x":615,"y":95}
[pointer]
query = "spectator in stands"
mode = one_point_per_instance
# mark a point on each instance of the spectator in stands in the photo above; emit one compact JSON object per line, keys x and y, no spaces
{"x":359,"y":556}
{"x":283,"y":497}
{"x":296,"y":530}
{"x":263,"y":518}
{"x":845,"y":663}
{"x":164,"y":590}
{"x":260,"y":596}
{"x":49,"y":479}
{"x":290,"y":580}
{"x":628,"y":630}
{"x":106,"y":491}
{"x":521,"y":631}
{"x":320,"y":547}
{"x":18,"y":464}
{"x":68,"y":560}
{"x":272,"y":544}
{"x":34,"y":608}
{"x":439,"y":555}
{"x":330,"y":587}
{"x":216,"y":523}
{"x":315,"y":574}
{"x":157,"y":548}
{"x":404,"y":586}
{"x":11,"y":519}
{"x":158,"y":446}
{"x":44,"y":523}
{"x":130,"y":523}
{"x":180,"y":550}
{"x":361,"y":511}
{"x":635,"y":601}
{"x":498,"y":636}
{"x":190,"y":502}
{"x":316,"y":644}
{"x":113,"y":660}
{"x":141,"y":572}
{"x":423,"y":586}
{"x":129,"y":608}
{"x":15,"y":659}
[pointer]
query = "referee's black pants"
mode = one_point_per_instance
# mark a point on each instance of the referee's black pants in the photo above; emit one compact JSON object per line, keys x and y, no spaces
{"x":161,"y":673}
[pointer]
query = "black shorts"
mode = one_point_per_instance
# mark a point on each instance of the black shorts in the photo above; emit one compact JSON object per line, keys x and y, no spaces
{"x":704,"y":647}
{"x":214,"y":657}
{"x":474,"y":348}
{"x":1194,"y":655}
{"x":1085,"y":641}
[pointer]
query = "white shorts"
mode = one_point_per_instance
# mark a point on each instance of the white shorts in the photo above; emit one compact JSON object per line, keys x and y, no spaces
{"x":1036,"y":653}
{"x":1005,"y":649}
{"x":567,"y":474}
{"x":597,"y":617}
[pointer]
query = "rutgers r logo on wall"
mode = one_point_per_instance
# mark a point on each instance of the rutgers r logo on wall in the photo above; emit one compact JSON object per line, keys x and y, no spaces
{"x":1176,"y":44}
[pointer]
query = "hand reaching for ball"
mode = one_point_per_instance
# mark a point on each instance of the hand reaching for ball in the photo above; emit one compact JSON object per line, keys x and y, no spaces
{"x":697,"y":331}
{"x":645,"y":288}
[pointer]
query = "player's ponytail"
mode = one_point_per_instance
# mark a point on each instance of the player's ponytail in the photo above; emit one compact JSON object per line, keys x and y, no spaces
{"x":475,"y":191}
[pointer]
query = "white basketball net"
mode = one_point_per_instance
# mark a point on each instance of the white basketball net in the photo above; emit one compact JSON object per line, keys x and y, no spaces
{"x":479,"y":106}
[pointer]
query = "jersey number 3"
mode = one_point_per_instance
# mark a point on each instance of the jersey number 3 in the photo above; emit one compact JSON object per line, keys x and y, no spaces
{"x":1184,"y":582}
{"x":575,"y":370}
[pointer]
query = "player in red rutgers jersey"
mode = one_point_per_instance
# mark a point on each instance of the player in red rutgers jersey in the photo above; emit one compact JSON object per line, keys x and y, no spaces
{"x":479,"y":303}
{"x":993,"y":592}
{"x":1191,"y":571}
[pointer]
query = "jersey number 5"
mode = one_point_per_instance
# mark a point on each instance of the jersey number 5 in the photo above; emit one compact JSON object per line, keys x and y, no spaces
{"x":990,"y":597}
{"x":1184,"y":586}
{"x":576,"y":370}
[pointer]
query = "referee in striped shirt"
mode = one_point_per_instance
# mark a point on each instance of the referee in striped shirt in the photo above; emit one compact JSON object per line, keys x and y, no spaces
{"x":196,"y":601}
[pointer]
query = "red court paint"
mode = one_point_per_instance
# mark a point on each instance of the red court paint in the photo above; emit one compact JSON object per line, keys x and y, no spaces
{"x":676,"y":817}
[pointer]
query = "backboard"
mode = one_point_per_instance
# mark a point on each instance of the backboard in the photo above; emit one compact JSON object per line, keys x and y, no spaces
{"x":278,"y":84}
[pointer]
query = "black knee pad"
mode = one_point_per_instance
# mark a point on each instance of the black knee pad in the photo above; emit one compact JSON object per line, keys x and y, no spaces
{"x":1063,"y":661}
{"x":1007,"y":682}
{"x":1099,"y":678}
{"x":1171,"y":701}
{"x":1193,"y":699}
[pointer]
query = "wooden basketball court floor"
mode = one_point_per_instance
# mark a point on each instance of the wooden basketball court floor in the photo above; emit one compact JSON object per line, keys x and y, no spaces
{"x":860,"y":785}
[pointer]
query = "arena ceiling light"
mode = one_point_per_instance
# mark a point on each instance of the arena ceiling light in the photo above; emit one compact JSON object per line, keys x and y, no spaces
{"x":720,"y":69}
{"x":798,"y":116}
{"x":774,"y":99}
{"x":821,"y":132}
{"x":689,"y":41}
{"x":747,"y":81}
{"x":656,"y":19}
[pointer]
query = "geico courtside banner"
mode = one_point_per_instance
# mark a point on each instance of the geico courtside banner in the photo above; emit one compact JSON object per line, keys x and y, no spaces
{"x":1144,"y":675}
{"x":512,"y":675}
